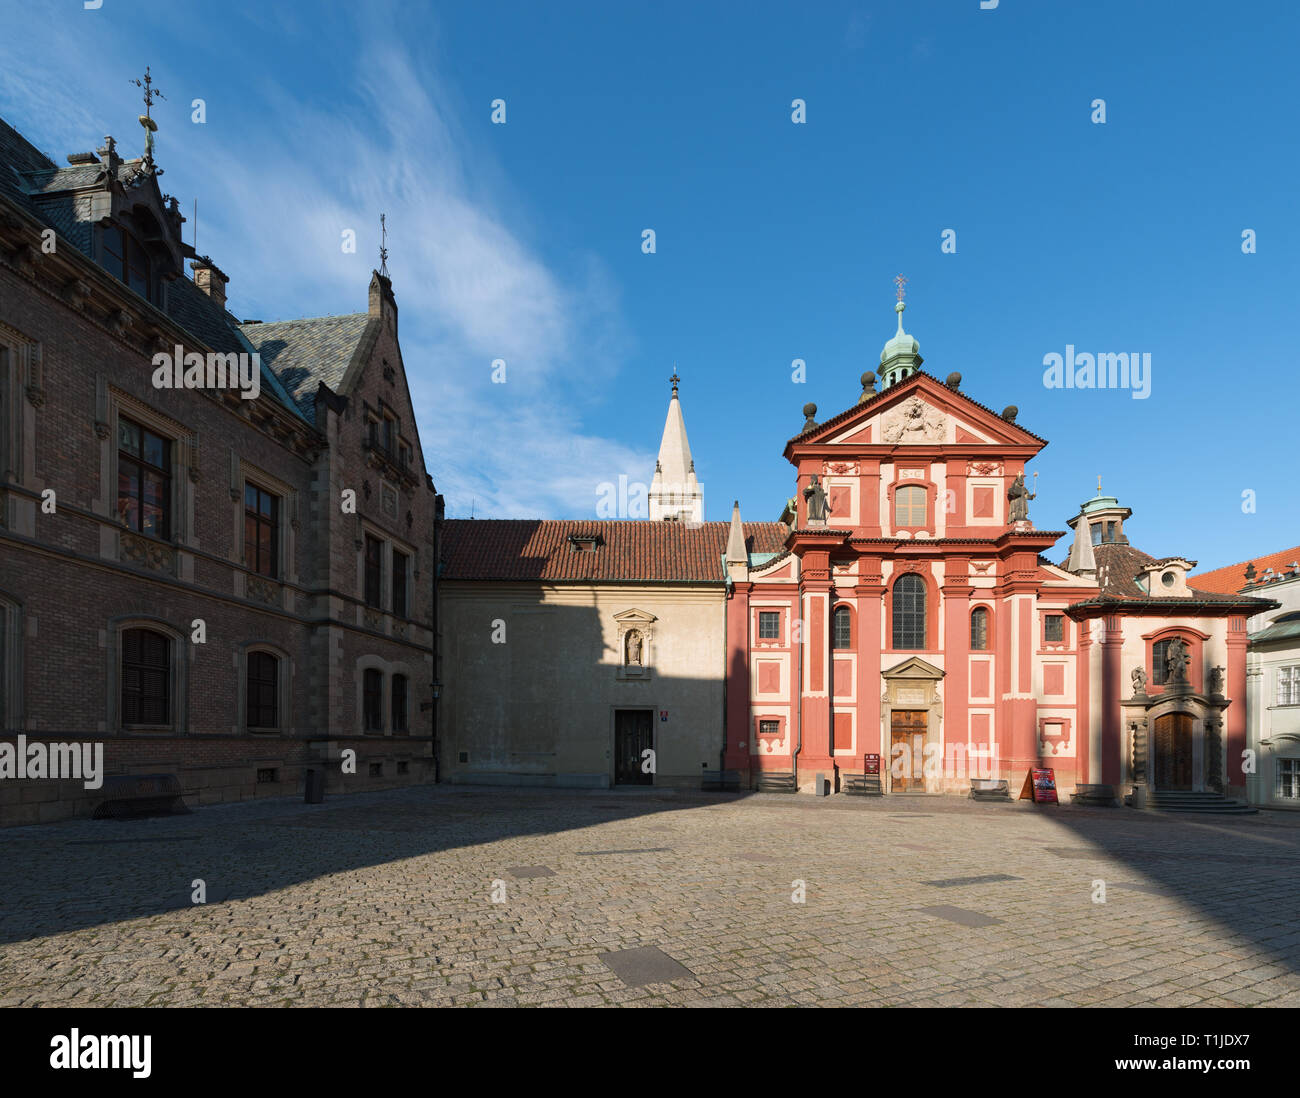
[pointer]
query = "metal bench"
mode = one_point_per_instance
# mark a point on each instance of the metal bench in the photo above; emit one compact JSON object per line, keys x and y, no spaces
{"x":862,"y":785}
{"x":989,"y":789}
{"x":1103,"y":795}
{"x":132,"y":796}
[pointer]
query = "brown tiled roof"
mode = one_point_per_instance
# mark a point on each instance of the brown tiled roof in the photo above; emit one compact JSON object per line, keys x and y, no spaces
{"x":631,"y":551}
{"x":1232,"y":577}
{"x":1118,"y":567}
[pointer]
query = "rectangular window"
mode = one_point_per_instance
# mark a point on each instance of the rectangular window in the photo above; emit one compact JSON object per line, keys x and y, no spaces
{"x":909,"y":506}
{"x":399,"y":703}
{"x":769,"y":625}
{"x":262,"y":709}
{"x":146,"y":678}
{"x":373,"y":700}
{"x":261,"y":531}
{"x":1054,"y":628}
{"x":769,"y":728}
{"x":374,"y":572}
{"x":1288,"y":685}
{"x":1288,"y":779}
{"x":400,"y":565}
{"x":144,"y":480}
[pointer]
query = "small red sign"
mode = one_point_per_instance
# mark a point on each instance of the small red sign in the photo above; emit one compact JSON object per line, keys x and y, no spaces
{"x":871,"y":764}
{"x":1040,"y":787}
{"x":663,"y":714}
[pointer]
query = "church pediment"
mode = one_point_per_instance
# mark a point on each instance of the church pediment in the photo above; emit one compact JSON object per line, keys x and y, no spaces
{"x":919,"y":411}
{"x":634,"y":617}
{"x":913,"y":668}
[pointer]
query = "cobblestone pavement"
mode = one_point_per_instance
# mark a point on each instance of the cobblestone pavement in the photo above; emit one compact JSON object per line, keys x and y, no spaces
{"x":387,"y":899}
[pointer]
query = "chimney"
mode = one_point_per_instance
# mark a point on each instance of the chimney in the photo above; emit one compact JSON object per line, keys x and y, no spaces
{"x":211,"y":279}
{"x":382,"y":302}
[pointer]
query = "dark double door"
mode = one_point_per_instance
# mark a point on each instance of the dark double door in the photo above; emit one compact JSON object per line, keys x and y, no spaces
{"x":1172,"y":750}
{"x":632,"y":739}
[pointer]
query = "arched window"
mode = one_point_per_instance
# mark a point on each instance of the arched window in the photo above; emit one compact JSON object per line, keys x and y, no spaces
{"x":146,"y":678}
{"x":909,"y":612}
{"x":909,"y":506}
{"x":372,"y":700}
{"x":400,"y":723}
{"x":979,"y":629}
{"x":263,"y":708}
{"x":842,"y":630}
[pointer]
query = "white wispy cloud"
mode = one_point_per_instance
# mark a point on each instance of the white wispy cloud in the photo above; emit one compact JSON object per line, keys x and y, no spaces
{"x":277,"y":191}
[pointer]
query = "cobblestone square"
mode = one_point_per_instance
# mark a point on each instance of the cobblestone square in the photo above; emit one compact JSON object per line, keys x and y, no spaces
{"x":437,"y":896}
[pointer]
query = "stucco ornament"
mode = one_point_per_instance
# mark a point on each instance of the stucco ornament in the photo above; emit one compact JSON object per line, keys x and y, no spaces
{"x":914,"y":421}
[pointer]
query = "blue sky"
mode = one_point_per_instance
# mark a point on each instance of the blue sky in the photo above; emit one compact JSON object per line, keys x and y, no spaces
{"x":775,"y":241}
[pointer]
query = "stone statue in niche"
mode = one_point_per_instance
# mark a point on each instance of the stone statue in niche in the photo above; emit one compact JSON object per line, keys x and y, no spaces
{"x":1019,"y":497}
{"x":818,"y":506}
{"x":633,"y":645}
{"x":1216,"y":680}
{"x":1139,"y":680}
{"x":1176,"y":660}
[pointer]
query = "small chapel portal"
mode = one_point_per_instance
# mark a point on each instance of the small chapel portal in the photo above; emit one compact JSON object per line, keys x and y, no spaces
{"x":1172,"y":752}
{"x":632,"y":739}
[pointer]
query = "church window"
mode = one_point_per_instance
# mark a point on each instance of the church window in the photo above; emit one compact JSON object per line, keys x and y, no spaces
{"x":1288,"y":779}
{"x":909,"y":506}
{"x":263,"y":692}
{"x":769,"y":728}
{"x":979,"y":629}
{"x":1096,"y":533}
{"x":146,"y":678}
{"x":1159,"y":662}
{"x":1054,"y":629}
{"x":842,"y":634}
{"x":909,"y":612}
{"x":1288,"y":685}
{"x":769,"y":625}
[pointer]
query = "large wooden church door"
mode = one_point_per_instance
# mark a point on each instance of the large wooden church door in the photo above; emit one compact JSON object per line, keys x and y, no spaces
{"x":1172,"y":745}
{"x":907,"y":726}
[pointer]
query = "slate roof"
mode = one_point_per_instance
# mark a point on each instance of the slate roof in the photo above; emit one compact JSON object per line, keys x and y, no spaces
{"x":296,"y":355}
{"x":1118,"y":567}
{"x":633,"y":550}
{"x":303,"y":353}
{"x":1232,"y":577}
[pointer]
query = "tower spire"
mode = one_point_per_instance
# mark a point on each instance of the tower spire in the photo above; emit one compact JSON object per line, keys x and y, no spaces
{"x":675,"y":492}
{"x":901,"y":356}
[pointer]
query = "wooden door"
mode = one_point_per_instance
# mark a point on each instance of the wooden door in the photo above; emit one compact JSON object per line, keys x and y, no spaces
{"x":1172,"y":746}
{"x":632,"y":736}
{"x":907,"y":726}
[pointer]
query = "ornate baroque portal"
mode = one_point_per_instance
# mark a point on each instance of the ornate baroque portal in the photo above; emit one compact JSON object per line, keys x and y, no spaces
{"x":911,"y":713}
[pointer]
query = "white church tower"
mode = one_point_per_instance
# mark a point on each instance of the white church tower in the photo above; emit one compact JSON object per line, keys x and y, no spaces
{"x":675,"y":494}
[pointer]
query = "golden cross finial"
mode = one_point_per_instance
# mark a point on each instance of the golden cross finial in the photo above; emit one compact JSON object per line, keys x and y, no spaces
{"x":900,"y":282}
{"x":1098,"y":484}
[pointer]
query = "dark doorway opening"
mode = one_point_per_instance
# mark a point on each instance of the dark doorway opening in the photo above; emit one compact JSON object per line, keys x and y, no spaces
{"x":632,"y":739}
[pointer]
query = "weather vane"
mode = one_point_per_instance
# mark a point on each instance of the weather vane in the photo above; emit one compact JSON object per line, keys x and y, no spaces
{"x":900,"y":282}
{"x":146,"y":119}
{"x":383,"y":247}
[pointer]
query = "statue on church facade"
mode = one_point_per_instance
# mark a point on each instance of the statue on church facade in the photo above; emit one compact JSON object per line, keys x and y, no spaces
{"x":1019,"y":498}
{"x":818,"y":506}
{"x":634,"y":648}
{"x":1139,"y":677}
{"x":1216,"y":680}
{"x":1176,"y":661}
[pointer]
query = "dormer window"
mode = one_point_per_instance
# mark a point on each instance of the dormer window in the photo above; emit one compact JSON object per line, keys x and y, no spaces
{"x":125,"y":258}
{"x":585,"y":543}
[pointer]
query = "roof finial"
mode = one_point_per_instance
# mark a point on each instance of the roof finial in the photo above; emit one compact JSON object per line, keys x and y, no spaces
{"x":674,"y":379}
{"x":1098,"y":484}
{"x":900,"y":282}
{"x":383,"y":247}
{"x":146,"y":119}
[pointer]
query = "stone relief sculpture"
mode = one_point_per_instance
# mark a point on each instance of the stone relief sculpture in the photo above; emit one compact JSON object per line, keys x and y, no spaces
{"x":914,"y":422}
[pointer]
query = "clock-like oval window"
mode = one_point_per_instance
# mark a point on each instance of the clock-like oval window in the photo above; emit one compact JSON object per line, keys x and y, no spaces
{"x":1167,"y":579}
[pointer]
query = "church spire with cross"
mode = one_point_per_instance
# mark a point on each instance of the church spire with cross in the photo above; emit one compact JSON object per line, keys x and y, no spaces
{"x":675,"y":493}
{"x":901,"y":356}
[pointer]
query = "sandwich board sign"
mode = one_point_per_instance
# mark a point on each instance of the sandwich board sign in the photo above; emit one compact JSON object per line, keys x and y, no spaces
{"x":1040,"y":787}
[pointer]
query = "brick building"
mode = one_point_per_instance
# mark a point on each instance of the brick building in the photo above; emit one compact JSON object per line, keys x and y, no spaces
{"x":229,"y":580}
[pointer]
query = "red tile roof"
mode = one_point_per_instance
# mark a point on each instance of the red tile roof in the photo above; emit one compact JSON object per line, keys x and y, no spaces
{"x":1118,"y":566}
{"x":1232,"y":577}
{"x":630,"y":550}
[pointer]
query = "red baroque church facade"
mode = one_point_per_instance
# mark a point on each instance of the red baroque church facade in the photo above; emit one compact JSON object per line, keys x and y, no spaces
{"x":912,"y":616}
